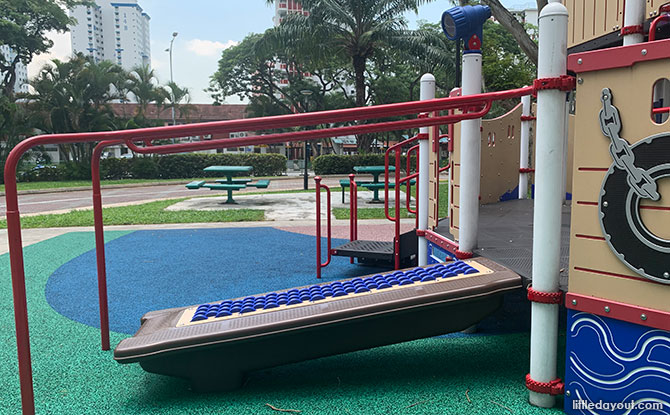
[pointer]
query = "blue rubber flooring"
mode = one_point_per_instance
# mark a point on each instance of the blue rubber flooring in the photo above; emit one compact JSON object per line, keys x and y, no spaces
{"x":158,"y":269}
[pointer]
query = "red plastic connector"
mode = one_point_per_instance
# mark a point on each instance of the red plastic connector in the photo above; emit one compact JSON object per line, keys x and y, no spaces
{"x":562,"y":83}
{"x":526,"y":170}
{"x":631,"y":30}
{"x":555,"y":387}
{"x":528,"y":118}
{"x":544,"y":298}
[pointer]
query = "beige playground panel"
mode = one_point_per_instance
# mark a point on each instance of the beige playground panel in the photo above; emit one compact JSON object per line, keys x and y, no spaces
{"x":500,"y":143}
{"x":594,"y":269}
{"x":591,"y":19}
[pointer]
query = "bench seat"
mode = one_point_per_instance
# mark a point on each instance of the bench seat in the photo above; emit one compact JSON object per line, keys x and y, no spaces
{"x":223,"y":186}
{"x":261,"y":184}
{"x":196,"y":184}
{"x":235,"y":181}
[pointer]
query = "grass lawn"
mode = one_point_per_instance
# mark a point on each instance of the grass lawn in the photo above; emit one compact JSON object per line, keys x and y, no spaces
{"x":146,"y":213}
{"x":87,"y":183}
{"x":378,"y":213}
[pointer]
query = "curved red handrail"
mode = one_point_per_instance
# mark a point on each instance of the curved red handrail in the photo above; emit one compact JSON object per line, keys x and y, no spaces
{"x":407,"y":181}
{"x":654,"y":23}
{"x":319,"y":186}
{"x":148,"y":135}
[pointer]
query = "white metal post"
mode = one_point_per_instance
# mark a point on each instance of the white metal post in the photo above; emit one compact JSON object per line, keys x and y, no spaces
{"x":427,"y":92}
{"x":525,"y":144}
{"x":564,"y":174}
{"x":633,"y":15}
{"x":553,"y":23}
{"x":468,"y":215}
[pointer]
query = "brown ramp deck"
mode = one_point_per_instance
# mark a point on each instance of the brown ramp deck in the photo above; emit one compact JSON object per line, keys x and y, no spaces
{"x":216,"y":344}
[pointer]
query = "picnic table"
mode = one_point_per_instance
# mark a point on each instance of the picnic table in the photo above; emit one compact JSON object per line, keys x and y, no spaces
{"x":375,"y":185}
{"x":229,"y":183}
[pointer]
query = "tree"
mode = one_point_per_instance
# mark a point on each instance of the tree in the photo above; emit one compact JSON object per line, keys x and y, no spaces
{"x":74,"y":96}
{"x":355,"y":30}
{"x":248,"y":70}
{"x":23,"y":27}
{"x":174,"y":97}
{"x":513,"y":26}
{"x":143,"y":85}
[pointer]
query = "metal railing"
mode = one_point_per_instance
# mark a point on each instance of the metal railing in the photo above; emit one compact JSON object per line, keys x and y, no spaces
{"x":141,"y":141}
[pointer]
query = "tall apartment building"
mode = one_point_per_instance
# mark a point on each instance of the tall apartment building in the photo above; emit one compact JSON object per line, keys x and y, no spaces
{"x":112,"y":31}
{"x":21,"y":84}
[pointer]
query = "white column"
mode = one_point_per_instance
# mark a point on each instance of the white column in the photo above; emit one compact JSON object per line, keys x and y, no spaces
{"x":550,"y":135}
{"x":427,"y":92}
{"x":525,"y":144}
{"x":564,"y":189}
{"x":468,"y":216}
{"x":633,"y":15}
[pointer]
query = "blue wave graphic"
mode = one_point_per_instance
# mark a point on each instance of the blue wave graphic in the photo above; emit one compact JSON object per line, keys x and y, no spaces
{"x":615,"y":361}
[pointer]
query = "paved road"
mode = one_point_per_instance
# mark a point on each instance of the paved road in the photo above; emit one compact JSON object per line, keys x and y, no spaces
{"x":81,"y":199}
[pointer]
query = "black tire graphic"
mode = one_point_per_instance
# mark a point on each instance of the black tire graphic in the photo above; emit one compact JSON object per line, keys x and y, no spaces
{"x":619,"y":206}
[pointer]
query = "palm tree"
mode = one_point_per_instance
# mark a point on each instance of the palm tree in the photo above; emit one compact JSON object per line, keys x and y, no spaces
{"x":143,"y":85}
{"x":355,"y":30}
{"x":74,"y":96}
{"x":178,"y":98}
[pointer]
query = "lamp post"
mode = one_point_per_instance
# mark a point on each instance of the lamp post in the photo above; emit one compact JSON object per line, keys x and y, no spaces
{"x":306,"y":93}
{"x":174,"y":35}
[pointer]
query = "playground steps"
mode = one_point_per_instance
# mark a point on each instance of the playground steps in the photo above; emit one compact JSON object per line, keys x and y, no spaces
{"x":216,"y":344}
{"x":380,"y":251}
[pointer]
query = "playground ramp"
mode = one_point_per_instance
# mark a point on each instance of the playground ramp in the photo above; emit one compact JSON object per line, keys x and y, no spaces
{"x":216,"y":344}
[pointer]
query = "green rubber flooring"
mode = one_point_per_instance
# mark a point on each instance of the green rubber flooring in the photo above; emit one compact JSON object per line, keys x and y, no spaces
{"x":446,"y":375}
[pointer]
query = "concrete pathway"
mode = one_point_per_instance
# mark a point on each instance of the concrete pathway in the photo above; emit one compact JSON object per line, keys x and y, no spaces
{"x":283,"y":206}
{"x":31,"y":203}
{"x":372,"y":229}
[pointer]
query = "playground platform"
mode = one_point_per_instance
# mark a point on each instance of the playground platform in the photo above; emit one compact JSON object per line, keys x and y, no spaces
{"x":505,"y":235}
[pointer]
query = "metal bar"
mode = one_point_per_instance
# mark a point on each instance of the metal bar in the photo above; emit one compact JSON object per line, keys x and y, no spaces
{"x":396,"y":240}
{"x":408,"y":187}
{"x":146,"y":135}
{"x":423,"y":182}
{"x":100,"y":244}
{"x":386,"y":174}
{"x":19,"y":281}
{"x":548,"y":201}
{"x":306,"y":134}
{"x":317,"y":181}
{"x":319,"y":265}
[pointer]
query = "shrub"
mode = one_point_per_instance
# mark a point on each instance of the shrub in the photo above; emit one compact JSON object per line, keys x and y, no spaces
{"x":344,"y":164}
{"x":74,"y":171}
{"x":143,"y":168}
{"x":178,"y":166}
{"x":114,"y":169}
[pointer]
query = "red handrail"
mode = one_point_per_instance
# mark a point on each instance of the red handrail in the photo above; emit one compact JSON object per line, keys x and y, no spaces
{"x":319,"y":265}
{"x":654,"y":23}
{"x":407,"y":180}
{"x":147,"y":135}
{"x":395,"y":219}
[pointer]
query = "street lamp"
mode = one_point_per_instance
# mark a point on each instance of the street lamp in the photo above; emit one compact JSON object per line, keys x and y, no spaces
{"x":174,"y":35}
{"x":306,"y":93}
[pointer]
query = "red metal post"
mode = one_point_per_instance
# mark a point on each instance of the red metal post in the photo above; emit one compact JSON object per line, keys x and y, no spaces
{"x":319,"y":265}
{"x":100,"y":243}
{"x":396,"y":240}
{"x":19,"y":281}
{"x":317,"y":180}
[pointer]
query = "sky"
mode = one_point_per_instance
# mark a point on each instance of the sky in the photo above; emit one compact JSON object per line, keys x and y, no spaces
{"x":205,"y":28}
